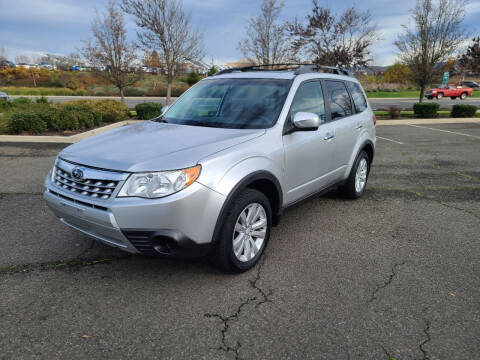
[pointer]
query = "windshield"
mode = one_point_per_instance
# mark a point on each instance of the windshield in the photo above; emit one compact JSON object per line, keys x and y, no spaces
{"x":230,"y":103}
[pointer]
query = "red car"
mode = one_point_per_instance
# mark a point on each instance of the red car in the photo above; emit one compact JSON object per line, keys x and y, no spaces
{"x":451,"y":90}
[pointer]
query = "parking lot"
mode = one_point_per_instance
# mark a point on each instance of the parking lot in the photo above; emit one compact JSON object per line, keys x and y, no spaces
{"x":394,"y":274}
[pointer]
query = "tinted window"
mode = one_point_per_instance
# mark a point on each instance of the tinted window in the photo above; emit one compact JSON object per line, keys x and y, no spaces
{"x":309,"y":98}
{"x":340,"y":104}
{"x":358,"y":97}
{"x":231,"y":103}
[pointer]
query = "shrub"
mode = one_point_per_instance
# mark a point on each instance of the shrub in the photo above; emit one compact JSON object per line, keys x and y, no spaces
{"x":463,"y":111}
{"x":42,"y":100}
{"x":394,"y":112}
{"x":426,"y":110}
{"x":192,"y":78}
{"x":22,"y":101}
{"x":111,"y":110}
{"x":146,"y":111}
{"x":26,"y":121}
{"x":5,"y":104}
{"x":48,"y":115}
{"x":65,"y":120}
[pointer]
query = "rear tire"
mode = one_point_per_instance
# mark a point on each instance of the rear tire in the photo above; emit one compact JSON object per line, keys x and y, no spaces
{"x":244,"y":231}
{"x":356,"y":182}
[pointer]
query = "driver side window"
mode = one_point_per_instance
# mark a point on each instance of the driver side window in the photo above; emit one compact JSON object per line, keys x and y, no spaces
{"x":309,"y":98}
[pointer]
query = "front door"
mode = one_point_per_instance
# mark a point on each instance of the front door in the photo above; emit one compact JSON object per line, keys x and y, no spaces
{"x":308,"y":154}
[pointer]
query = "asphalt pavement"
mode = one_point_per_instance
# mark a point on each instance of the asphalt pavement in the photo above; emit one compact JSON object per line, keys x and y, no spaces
{"x":377,"y":104}
{"x":393,"y":274}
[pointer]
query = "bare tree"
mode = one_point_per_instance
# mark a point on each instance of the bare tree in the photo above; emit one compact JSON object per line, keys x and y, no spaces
{"x":22,"y":59}
{"x":267,"y":39}
{"x":470,"y":60}
{"x":435,"y":35}
{"x":110,"y":49}
{"x":336,"y":40}
{"x":166,"y":27}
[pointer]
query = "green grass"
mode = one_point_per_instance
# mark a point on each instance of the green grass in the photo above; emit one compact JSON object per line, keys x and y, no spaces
{"x":41,"y":91}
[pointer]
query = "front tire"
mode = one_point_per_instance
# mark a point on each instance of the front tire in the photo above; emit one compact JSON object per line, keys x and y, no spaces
{"x":245,"y":232}
{"x":463,"y":96}
{"x":439,"y":96}
{"x":357,"y":180}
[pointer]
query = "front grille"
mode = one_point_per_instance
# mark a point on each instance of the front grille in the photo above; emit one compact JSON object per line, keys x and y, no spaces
{"x":92,"y":188}
{"x":77,"y":201}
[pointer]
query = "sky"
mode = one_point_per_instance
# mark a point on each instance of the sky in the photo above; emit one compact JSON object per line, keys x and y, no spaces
{"x":33,"y":27}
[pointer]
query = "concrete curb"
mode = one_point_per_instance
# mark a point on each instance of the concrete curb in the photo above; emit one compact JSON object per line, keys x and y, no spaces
{"x":64,"y":139}
{"x":77,"y":137}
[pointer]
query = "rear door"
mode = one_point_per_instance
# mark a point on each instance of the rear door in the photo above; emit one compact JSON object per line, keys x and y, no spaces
{"x":308,"y":154}
{"x":346,"y":123}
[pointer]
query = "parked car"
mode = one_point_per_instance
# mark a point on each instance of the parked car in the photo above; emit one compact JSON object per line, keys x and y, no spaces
{"x":452,"y":91}
{"x":217,"y":170}
{"x":3,"y":96}
{"x":471,"y":84}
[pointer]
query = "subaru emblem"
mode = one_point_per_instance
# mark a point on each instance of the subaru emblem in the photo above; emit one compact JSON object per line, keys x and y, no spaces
{"x":77,"y":174}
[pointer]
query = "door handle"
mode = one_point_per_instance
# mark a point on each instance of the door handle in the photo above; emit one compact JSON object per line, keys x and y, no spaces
{"x":329,"y":136}
{"x":359,"y":126}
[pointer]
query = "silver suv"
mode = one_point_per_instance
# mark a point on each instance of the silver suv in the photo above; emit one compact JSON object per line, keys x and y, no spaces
{"x":215,"y":172}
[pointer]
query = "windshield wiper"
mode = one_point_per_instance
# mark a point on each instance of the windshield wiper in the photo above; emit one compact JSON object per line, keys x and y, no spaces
{"x":160,"y":119}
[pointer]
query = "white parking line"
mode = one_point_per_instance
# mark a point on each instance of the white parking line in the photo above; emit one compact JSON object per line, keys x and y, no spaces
{"x":446,"y":131}
{"x":395,"y":141}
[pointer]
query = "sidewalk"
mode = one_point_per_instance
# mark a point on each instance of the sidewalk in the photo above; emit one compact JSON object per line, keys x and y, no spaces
{"x":77,"y":137}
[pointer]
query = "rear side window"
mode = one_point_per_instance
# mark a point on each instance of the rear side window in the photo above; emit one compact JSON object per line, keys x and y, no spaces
{"x":358,"y":97}
{"x":309,"y":98}
{"x":340,"y":104}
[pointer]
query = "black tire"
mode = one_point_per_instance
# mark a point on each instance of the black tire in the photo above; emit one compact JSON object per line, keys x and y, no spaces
{"x":439,"y":96}
{"x":223,"y":255}
{"x":348,"y":190}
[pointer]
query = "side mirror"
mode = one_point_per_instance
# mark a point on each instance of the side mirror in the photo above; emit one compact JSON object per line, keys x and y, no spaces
{"x":306,"y":121}
{"x":164,"y":109}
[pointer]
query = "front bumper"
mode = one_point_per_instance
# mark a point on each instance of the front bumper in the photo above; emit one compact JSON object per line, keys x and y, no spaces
{"x":180,"y":225}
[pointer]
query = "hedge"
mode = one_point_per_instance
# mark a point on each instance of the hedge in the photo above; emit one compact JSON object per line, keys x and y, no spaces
{"x":146,"y":111}
{"x":26,"y":121}
{"x":426,"y":110}
{"x":463,"y":111}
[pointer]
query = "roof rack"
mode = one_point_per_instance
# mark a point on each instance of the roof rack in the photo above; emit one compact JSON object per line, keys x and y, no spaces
{"x":296,"y":68}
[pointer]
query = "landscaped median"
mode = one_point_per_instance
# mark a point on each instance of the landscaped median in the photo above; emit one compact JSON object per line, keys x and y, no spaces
{"x":23,"y":116}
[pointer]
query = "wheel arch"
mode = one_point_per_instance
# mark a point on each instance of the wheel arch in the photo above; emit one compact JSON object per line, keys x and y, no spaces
{"x":261,"y":180}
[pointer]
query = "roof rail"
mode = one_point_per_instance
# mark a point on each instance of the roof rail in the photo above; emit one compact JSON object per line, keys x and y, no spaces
{"x":297,"y":68}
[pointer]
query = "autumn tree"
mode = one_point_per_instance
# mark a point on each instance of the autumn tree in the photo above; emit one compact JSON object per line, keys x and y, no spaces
{"x":166,"y":27}
{"x":470,"y":60}
{"x":435,"y":35}
{"x":109,"y":48}
{"x":343,"y":39}
{"x":266,"y":40}
{"x":152,"y":59}
{"x":397,"y":73}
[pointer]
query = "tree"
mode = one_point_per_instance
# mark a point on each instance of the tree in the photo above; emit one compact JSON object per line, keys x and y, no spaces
{"x":397,"y":73}
{"x":22,"y":59}
{"x":152,"y":59}
{"x":337,"y":40}
{"x":435,"y":35}
{"x":267,"y":38}
{"x":470,"y":60}
{"x":166,"y":27}
{"x":110,"y":49}
{"x":212,"y":70}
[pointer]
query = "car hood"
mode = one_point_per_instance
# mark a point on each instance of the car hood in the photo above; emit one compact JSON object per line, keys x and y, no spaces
{"x":153,"y":146}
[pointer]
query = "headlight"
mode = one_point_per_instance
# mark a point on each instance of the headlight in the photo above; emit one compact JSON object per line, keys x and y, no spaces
{"x":154,"y":185}
{"x":53,"y":172}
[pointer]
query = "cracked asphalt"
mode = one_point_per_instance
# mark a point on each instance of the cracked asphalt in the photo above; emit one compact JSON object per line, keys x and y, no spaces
{"x":394,"y":274}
